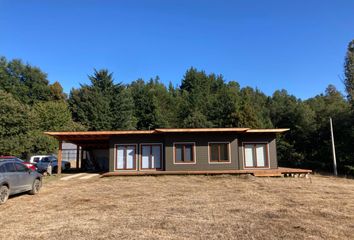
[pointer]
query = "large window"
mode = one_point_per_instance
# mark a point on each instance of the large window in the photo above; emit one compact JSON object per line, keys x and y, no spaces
{"x":151,"y":156}
{"x":256,"y":155}
{"x":126,"y":157}
{"x":219,"y":152}
{"x":184,"y":152}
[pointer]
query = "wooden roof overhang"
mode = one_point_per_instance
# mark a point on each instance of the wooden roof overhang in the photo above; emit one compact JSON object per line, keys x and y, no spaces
{"x":101,"y":138}
{"x":94,"y":139}
{"x":208,"y":130}
{"x":268,"y":130}
{"x":199,"y":130}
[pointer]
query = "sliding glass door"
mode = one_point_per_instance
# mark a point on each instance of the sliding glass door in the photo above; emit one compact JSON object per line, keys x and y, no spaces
{"x":126,"y":157}
{"x":151,"y":156}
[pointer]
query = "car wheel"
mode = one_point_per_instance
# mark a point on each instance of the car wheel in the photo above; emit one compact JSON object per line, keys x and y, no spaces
{"x":4,"y":194}
{"x":37,"y":184}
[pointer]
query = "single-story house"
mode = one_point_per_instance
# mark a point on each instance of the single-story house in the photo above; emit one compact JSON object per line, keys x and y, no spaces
{"x":176,"y":149}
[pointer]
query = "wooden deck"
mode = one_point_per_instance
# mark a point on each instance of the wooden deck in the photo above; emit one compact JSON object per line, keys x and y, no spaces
{"x":256,"y":172}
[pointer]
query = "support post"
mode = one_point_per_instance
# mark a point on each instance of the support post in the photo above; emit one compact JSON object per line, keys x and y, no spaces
{"x":60,"y":156}
{"x":333,"y":150}
{"x":77,"y":156}
{"x":82,"y":157}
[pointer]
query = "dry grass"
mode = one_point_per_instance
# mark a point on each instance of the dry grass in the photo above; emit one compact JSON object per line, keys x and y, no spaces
{"x":184,"y":207}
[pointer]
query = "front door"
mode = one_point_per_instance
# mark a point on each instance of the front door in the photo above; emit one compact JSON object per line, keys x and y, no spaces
{"x":126,"y":157}
{"x":151,"y":156}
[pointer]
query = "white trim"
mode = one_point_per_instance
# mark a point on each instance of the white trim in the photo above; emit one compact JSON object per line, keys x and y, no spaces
{"x":194,"y":153}
{"x":141,"y":157}
{"x":229,"y":147}
{"x":243,"y":156}
{"x":136,"y":156}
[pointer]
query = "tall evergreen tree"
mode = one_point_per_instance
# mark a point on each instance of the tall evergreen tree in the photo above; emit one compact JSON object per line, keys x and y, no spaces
{"x":152,"y":104}
{"x":225,"y":106}
{"x":349,"y":72}
{"x":286,"y":111}
{"x":331,"y":104}
{"x":196,"y":92}
{"x":103,"y":105}
{"x":253,"y":109}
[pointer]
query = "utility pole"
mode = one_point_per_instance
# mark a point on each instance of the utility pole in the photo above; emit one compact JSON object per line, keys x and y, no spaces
{"x":333,"y":150}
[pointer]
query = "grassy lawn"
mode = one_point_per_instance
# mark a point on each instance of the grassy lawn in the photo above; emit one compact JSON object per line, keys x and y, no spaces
{"x":183,"y":207}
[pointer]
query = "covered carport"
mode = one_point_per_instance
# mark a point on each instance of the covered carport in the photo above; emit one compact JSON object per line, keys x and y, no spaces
{"x":95,"y":142}
{"x":89,"y":145}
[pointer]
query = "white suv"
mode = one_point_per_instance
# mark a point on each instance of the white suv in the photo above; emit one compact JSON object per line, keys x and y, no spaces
{"x":42,"y":162}
{"x":35,"y":159}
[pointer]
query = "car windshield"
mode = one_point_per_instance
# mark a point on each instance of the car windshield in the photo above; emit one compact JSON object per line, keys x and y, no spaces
{"x":52,"y":159}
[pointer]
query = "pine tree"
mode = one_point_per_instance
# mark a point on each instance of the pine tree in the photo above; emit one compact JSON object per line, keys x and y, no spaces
{"x":103,"y":105}
{"x":349,"y":72}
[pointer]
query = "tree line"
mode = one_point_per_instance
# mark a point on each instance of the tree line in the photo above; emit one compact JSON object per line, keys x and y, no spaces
{"x":30,"y":105}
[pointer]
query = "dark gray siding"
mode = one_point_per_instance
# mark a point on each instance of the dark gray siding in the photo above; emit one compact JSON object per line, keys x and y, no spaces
{"x":201,"y":145}
{"x":201,"y":141}
{"x":102,"y":158}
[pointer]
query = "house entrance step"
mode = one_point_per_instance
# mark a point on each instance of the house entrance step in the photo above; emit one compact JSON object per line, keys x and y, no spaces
{"x":268,"y":174}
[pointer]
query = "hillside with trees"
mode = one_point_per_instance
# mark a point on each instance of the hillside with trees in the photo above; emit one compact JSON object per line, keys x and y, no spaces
{"x":30,"y":105}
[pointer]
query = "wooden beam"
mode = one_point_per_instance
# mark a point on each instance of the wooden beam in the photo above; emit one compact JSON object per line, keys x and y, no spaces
{"x":93,"y":133}
{"x":196,"y":130}
{"x":82,"y":157}
{"x":271,"y":130}
{"x":60,"y":156}
{"x":77,"y":156}
{"x":95,"y":145}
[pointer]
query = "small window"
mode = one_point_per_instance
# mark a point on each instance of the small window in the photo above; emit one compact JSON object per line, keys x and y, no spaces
{"x":20,"y":167}
{"x":184,"y":153}
{"x":219,"y":152}
{"x":36,"y":159}
{"x":256,"y":155}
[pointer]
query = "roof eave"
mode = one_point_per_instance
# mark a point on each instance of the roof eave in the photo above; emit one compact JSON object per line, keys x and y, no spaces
{"x":196,"y":130}
{"x":274,"y":130}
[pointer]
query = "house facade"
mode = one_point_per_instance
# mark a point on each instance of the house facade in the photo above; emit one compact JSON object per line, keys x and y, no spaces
{"x":173,"y":150}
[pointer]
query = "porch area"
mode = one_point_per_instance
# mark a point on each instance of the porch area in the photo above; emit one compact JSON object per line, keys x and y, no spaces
{"x":279,"y":172}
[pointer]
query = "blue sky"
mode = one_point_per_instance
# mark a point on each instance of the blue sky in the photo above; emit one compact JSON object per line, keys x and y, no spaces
{"x":295,"y":45}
